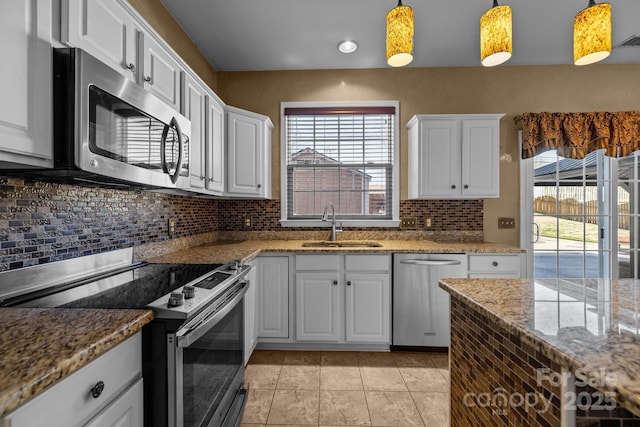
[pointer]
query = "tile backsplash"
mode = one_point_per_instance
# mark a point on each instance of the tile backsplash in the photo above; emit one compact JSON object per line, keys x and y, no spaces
{"x":43,"y":222}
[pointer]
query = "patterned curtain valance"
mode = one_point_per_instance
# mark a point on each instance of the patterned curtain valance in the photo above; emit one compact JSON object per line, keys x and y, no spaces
{"x":575,"y":135}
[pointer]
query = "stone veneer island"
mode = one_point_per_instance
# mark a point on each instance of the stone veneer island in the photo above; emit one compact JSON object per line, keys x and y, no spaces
{"x":548,"y":352}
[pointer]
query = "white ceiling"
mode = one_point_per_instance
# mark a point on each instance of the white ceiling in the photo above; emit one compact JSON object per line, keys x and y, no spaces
{"x":238,"y":35}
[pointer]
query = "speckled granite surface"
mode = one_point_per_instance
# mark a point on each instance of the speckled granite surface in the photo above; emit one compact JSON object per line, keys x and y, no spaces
{"x":222,"y":252}
{"x":41,"y":346}
{"x":591,"y":325}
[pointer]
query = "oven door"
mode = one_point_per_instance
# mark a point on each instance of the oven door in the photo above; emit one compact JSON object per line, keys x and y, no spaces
{"x":206,"y":375}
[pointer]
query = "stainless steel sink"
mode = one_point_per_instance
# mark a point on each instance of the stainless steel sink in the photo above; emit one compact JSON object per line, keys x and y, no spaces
{"x":341,"y":244}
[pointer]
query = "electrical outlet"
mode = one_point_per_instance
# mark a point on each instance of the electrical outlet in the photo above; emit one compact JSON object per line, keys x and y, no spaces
{"x":247,"y":222}
{"x":408,"y":222}
{"x":171,"y":228}
{"x":506,"y":223}
{"x":427,"y":223}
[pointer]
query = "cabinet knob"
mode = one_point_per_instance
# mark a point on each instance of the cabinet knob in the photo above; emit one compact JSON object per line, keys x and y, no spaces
{"x":466,"y":186}
{"x":148,"y":79}
{"x":131,"y":67}
{"x":97,"y":389}
{"x":348,"y":282}
{"x":335,"y":282}
{"x":453,"y":187}
{"x":495,"y":263}
{"x":259,"y":186}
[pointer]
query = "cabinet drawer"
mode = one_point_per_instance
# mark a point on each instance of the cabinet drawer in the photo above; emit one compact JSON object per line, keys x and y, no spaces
{"x":69,"y":402}
{"x":316,"y":262}
{"x":494,"y":263}
{"x":367,"y":262}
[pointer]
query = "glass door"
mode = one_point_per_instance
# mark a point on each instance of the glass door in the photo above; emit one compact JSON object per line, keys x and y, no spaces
{"x":627,"y":254}
{"x":570,"y":201}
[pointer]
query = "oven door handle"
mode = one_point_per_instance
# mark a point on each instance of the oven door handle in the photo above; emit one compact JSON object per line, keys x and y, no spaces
{"x":190,"y":334}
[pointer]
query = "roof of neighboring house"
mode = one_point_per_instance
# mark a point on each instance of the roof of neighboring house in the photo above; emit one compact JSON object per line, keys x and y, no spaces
{"x":329,"y":160}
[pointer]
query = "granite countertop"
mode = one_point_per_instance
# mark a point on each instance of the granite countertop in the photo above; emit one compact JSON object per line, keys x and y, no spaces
{"x":43,"y":345}
{"x":222,"y":252}
{"x":591,"y":325}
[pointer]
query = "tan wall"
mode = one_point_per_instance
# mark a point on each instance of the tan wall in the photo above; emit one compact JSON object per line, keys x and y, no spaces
{"x":161,"y":20}
{"x":507,"y":89}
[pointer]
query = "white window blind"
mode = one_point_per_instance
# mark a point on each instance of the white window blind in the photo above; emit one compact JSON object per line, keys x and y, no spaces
{"x":342,"y":156}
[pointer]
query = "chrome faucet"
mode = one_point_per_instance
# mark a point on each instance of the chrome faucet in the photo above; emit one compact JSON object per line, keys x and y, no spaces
{"x":325,"y":217}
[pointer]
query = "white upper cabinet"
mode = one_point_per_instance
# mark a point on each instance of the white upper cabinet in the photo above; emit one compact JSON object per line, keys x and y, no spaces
{"x":112,"y":33}
{"x":26,"y":79}
{"x":248,"y":153}
{"x":161,"y":71}
{"x":454,"y":156}
{"x":194,"y":108}
{"x":104,"y":29}
{"x":215,"y":146}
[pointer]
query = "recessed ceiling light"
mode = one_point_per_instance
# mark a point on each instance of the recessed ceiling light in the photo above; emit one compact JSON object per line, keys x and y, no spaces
{"x":347,"y":46}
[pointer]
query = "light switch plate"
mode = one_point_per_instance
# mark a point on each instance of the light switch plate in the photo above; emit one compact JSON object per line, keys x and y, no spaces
{"x":506,"y":223}
{"x":408,"y":222}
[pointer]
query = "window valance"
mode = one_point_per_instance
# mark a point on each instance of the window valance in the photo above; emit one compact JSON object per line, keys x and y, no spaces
{"x":575,"y":135}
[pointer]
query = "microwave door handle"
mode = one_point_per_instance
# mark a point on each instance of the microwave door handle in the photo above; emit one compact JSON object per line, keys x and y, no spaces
{"x":163,"y":145}
{"x":187,"y":336}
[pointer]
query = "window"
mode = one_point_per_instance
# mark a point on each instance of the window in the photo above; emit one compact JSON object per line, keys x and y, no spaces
{"x":345,"y":154}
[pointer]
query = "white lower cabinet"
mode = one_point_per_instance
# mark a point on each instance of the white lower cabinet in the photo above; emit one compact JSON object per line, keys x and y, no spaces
{"x":343,"y":298}
{"x":272,"y":277}
{"x":69,"y":403}
{"x":368,"y":302}
{"x":501,"y":266}
{"x":250,"y":314}
{"x":125,"y":411}
{"x":317,"y":306}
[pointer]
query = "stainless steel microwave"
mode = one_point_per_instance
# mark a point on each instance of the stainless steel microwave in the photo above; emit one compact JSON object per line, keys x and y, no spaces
{"x":111,"y":132}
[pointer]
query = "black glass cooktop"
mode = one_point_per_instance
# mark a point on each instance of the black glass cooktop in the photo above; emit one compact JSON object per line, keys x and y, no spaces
{"x":134,"y":288}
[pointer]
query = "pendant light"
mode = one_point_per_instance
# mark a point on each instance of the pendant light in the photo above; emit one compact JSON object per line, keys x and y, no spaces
{"x":495,"y":35}
{"x":592,"y":33}
{"x":400,"y":35}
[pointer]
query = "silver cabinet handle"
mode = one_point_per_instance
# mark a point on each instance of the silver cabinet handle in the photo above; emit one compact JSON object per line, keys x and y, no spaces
{"x":430,"y":261}
{"x":537,"y":238}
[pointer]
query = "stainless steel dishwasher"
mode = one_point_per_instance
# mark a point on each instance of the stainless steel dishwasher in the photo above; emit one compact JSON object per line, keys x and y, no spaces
{"x":420,"y":307}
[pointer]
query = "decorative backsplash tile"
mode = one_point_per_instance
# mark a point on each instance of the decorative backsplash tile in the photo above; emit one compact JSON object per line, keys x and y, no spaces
{"x":43,"y":222}
{"x":264,"y":215}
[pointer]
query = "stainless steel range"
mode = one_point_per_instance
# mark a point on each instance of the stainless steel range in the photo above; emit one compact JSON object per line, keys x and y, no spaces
{"x":193,"y":350}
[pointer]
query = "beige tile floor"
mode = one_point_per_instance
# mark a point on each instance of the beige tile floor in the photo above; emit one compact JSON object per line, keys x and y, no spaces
{"x":323,"y":388}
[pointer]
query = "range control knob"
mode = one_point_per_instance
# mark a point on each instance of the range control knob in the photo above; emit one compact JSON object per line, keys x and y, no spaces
{"x":176,"y":299}
{"x":189,"y":292}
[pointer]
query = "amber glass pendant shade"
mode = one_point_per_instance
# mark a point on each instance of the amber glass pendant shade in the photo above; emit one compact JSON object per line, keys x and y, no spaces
{"x":592,"y":34}
{"x":400,"y":36}
{"x":496,"y":43}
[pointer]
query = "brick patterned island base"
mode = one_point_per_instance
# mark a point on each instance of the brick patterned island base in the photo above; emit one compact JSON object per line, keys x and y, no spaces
{"x":516,"y":345}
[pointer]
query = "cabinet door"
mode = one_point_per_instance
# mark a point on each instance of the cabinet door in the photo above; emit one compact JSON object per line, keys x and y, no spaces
{"x":368,"y":307}
{"x":125,"y":411}
{"x":193,"y":108}
{"x":273,"y":296}
{"x":317,"y":306}
{"x":244,"y":153}
{"x":161,"y":71}
{"x":250,"y":316}
{"x":480,"y":158}
{"x":104,"y":29}
{"x":26,"y":84}
{"x":439,"y":158}
{"x":215,"y":145}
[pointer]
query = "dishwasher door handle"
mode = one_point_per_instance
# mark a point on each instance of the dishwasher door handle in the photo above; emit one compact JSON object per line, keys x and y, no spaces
{"x":430,"y":262}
